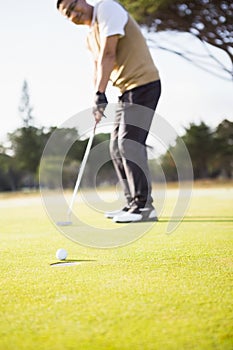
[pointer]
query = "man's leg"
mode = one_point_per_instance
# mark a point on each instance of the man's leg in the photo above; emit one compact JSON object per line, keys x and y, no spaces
{"x":117,"y":159}
{"x":132,"y":134}
{"x":133,"y":152}
{"x":140,"y":104}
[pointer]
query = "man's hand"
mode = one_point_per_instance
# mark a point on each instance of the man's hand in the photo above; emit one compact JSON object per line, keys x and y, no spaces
{"x":100,"y":105}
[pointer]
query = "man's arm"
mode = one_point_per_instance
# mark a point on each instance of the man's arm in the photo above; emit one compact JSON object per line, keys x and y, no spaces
{"x":106,"y":62}
{"x":95,"y":73}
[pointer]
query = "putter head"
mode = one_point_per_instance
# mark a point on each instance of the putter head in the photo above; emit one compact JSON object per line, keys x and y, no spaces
{"x":64,"y":223}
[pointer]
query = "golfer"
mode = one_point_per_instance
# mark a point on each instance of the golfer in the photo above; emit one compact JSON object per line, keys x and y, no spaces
{"x":122,"y":57}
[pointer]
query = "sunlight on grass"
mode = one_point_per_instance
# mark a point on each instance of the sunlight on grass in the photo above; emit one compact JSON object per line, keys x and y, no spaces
{"x":161,"y":292}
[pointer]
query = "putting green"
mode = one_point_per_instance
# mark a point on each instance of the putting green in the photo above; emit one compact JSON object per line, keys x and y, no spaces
{"x":161,"y":292}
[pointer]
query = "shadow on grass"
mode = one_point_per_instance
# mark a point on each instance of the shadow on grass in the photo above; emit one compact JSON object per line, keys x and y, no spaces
{"x":70,"y":262}
{"x":197,"y":219}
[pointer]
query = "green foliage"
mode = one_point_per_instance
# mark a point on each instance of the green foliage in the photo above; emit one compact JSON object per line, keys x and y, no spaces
{"x":169,"y":166}
{"x":210,"y":151}
{"x":209,"y":20}
{"x":224,"y":147}
{"x":25,"y":108}
{"x":7,"y":173}
{"x":27,"y":144}
{"x":199,"y":141}
{"x":143,"y":11}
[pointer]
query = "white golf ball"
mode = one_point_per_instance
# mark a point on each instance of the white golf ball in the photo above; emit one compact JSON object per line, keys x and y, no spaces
{"x":61,"y":254}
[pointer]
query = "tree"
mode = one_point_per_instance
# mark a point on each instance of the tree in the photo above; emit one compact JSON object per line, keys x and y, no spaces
{"x":210,"y":151}
{"x":224,"y":148}
{"x":75,"y":156}
{"x":209,"y":20}
{"x":25,"y":108}
{"x":9,"y":174}
{"x":27,"y":147}
{"x":168,"y":165}
{"x":26,"y":143}
{"x":55,"y":158}
{"x":199,"y":141}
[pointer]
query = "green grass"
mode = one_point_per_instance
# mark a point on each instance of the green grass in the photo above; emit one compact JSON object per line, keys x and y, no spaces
{"x":161,"y":292}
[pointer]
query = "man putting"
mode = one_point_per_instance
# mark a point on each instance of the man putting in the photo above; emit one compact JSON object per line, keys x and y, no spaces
{"x":121,"y":56}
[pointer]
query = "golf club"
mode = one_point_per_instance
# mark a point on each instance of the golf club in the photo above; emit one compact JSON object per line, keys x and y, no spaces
{"x":78,"y":181}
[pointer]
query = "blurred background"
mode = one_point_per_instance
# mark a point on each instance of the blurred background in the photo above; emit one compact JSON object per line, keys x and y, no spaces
{"x":46,"y":77}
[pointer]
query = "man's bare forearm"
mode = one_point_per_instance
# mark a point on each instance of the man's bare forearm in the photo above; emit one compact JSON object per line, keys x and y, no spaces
{"x":106,"y":62}
{"x":104,"y":70}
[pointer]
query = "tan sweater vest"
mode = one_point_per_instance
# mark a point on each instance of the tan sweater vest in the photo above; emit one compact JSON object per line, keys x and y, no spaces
{"x":134,"y":65}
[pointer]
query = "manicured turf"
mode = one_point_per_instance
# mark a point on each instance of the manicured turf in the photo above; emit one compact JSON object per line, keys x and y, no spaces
{"x":161,"y":292}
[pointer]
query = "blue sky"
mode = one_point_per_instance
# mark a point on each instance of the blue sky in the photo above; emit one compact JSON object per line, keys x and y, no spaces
{"x":39,"y":45}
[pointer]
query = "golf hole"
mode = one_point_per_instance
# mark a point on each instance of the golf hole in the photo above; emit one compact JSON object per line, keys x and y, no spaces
{"x":66,"y":263}
{"x":70,"y":262}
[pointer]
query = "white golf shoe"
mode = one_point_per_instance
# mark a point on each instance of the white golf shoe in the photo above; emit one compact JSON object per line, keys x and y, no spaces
{"x":137,"y":215}
{"x":111,"y":214}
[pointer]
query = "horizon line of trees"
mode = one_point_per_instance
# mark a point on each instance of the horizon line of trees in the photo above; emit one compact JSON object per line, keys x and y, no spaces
{"x":210,"y":151}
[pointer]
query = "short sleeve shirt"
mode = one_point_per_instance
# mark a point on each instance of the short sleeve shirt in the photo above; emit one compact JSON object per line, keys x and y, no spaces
{"x":111,"y":18}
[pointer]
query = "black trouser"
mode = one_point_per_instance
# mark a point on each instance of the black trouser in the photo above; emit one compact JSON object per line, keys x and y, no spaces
{"x":128,"y":141}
